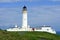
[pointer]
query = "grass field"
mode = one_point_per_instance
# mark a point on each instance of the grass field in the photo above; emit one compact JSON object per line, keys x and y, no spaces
{"x":4,"y":35}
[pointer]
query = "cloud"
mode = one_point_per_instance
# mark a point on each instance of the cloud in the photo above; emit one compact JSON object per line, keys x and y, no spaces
{"x":25,"y":0}
{"x":9,"y":16}
{"x":54,"y":0}
{"x":46,"y":14}
{"x":14,"y":0}
{"x":9,"y":0}
{"x":17,"y":0}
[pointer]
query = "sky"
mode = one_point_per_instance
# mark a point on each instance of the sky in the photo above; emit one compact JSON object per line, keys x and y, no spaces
{"x":40,"y":12}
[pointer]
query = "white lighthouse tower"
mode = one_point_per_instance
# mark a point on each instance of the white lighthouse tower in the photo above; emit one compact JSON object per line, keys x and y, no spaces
{"x":24,"y":21}
{"x":25,"y":25}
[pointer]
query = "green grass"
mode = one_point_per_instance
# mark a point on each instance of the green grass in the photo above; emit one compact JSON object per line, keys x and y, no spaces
{"x":4,"y":35}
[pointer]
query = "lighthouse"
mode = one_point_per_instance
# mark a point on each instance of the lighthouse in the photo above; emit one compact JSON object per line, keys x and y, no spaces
{"x":26,"y":27}
{"x":24,"y":18}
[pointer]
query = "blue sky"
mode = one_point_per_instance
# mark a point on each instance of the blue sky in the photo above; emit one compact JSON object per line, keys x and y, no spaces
{"x":40,"y":12}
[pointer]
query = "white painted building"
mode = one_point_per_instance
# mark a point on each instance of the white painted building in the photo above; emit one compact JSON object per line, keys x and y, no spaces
{"x":26,"y":27}
{"x":45,"y":29}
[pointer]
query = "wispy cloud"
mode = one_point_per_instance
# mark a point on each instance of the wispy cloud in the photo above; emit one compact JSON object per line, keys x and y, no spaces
{"x":47,"y":14}
{"x":54,"y":0}
{"x":14,"y":0}
{"x":25,"y":0}
{"x":9,"y":16}
{"x":9,"y":0}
